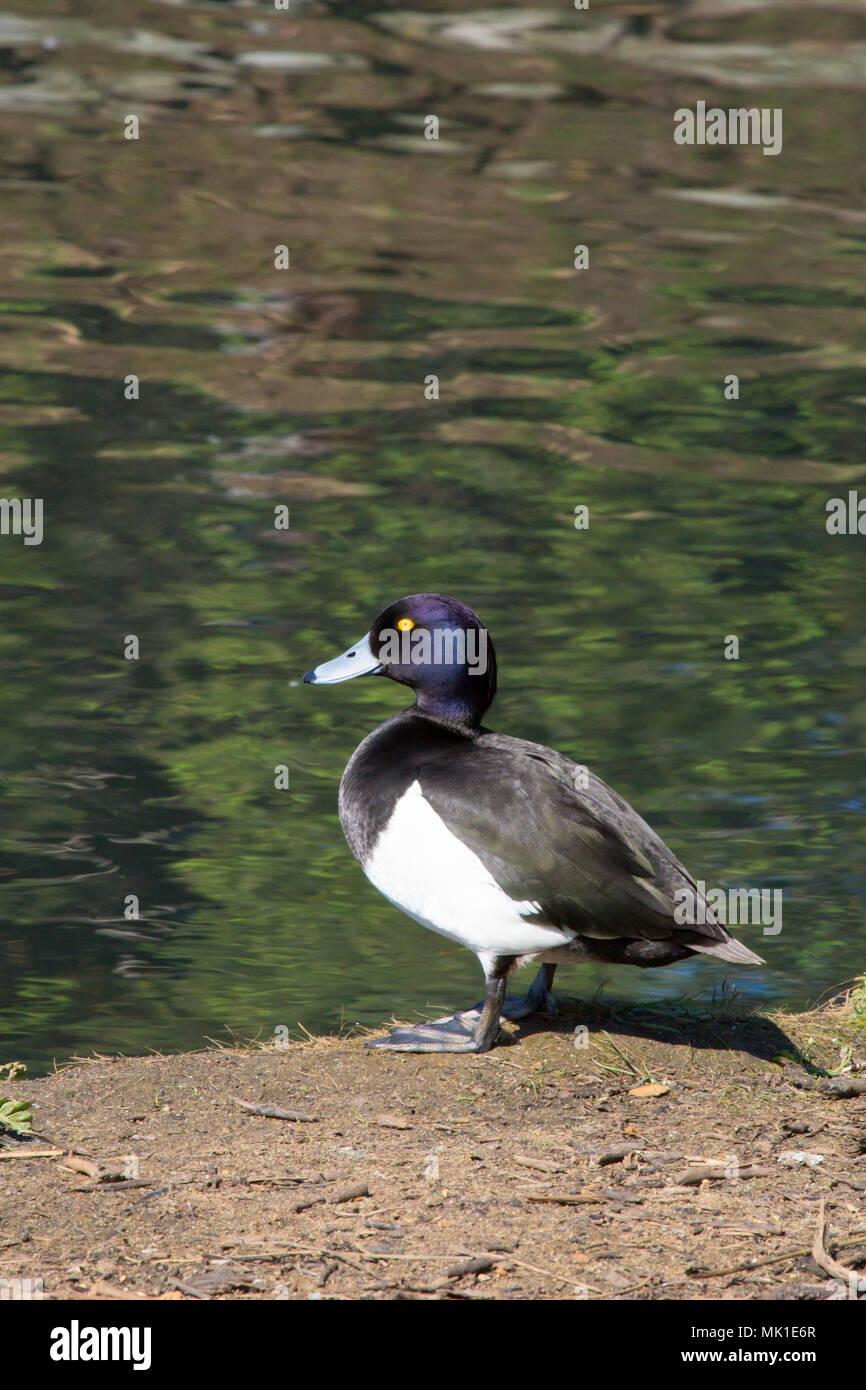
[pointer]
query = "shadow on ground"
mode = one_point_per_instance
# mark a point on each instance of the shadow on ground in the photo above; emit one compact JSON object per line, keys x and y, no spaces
{"x":676,"y":1024}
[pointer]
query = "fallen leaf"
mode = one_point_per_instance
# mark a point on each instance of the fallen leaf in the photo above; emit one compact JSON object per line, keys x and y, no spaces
{"x":74,"y":1164}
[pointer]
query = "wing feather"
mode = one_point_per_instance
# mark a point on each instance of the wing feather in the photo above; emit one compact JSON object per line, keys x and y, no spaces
{"x":581,"y":854}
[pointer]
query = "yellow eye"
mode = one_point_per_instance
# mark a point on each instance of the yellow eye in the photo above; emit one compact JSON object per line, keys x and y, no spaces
{"x":405,"y":624}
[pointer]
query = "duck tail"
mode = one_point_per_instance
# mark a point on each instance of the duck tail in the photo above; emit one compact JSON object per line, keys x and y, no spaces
{"x":728,"y":949}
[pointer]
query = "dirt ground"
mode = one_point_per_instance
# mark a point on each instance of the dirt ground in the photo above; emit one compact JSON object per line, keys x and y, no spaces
{"x":539,"y":1170}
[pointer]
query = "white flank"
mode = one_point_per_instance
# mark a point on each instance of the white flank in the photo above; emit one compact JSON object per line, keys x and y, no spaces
{"x":421,"y":867}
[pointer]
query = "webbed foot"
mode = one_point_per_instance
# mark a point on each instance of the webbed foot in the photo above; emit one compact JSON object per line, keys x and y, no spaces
{"x":456,"y":1033}
{"x":473,"y":1030}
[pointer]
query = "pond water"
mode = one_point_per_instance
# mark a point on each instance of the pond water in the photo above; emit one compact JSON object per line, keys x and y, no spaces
{"x":558,"y":388}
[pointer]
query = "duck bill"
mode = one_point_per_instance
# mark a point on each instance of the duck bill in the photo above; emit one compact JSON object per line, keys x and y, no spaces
{"x":359,"y":660}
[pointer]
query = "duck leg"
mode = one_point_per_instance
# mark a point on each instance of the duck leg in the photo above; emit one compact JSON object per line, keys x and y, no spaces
{"x":538,"y":998}
{"x":473,"y":1030}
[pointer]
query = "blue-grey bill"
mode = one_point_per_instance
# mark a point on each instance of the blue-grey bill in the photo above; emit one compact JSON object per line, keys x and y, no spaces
{"x":359,"y":660}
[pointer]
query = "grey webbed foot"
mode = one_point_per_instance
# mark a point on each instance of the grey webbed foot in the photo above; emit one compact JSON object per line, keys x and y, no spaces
{"x":456,"y":1033}
{"x":473,"y":1030}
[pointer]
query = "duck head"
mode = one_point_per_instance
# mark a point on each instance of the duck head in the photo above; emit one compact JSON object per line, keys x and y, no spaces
{"x":433,"y":644}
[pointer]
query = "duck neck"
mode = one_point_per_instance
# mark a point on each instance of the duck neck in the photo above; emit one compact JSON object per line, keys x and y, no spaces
{"x":455,"y":713}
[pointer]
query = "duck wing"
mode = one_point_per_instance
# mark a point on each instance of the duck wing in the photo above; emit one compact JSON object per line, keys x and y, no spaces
{"x":558,"y":839}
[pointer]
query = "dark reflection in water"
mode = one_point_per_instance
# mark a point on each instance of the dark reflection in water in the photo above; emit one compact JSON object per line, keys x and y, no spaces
{"x":409,"y":259}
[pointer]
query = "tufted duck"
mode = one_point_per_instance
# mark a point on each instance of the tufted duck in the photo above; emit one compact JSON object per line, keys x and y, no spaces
{"x":503,"y":845}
